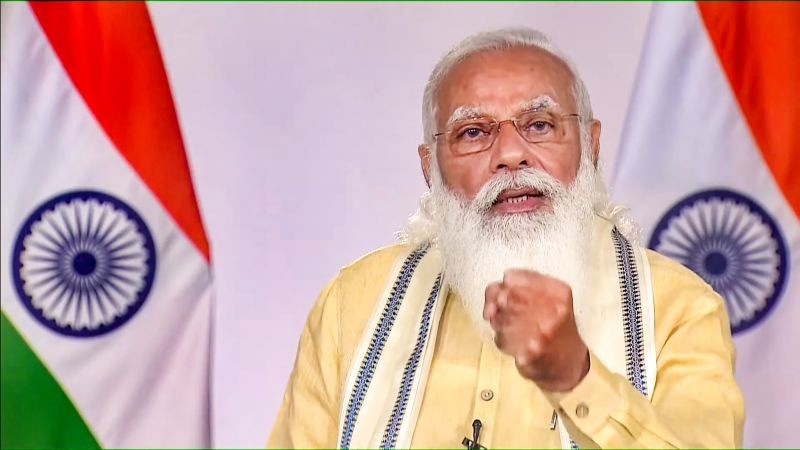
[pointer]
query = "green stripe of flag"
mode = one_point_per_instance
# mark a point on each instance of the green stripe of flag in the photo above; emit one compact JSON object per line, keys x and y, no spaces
{"x":34,"y":410}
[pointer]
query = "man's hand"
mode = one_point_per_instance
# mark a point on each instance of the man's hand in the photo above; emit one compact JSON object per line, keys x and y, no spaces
{"x":533,"y":321}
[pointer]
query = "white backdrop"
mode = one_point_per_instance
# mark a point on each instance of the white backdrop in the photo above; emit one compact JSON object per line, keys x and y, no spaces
{"x":301,"y":122}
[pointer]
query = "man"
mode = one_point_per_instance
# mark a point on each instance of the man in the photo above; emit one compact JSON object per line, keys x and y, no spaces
{"x":518,"y":310}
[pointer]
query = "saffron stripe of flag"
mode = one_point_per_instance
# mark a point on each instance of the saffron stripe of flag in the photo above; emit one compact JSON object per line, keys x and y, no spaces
{"x":708,"y":163}
{"x":105,"y":278}
{"x":112,"y":57}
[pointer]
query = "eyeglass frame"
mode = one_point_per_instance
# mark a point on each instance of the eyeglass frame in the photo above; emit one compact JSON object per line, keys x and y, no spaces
{"x":497,"y":124}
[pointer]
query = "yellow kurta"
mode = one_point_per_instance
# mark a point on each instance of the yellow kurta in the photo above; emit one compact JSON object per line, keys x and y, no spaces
{"x":695,"y":402}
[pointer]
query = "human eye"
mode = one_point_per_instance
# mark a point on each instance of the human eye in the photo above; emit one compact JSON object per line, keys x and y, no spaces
{"x":537,"y":124}
{"x":472,"y":131}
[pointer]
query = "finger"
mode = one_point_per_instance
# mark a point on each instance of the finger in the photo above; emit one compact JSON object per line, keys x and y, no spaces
{"x":490,"y":300}
{"x":489,"y":311}
{"x":518,"y":298}
{"x":528,"y":354}
{"x":492,"y":319}
{"x":520,"y":277}
{"x":521,"y":360}
{"x":492,"y":289}
{"x":521,"y":327}
{"x":508,"y":337}
{"x":499,"y":320}
{"x":501,"y":341}
{"x":502,"y":299}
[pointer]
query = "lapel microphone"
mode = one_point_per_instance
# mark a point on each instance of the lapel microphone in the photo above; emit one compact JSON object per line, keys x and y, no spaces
{"x":472,"y":444}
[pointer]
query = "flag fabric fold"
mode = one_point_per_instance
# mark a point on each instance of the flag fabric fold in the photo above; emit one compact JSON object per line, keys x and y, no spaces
{"x":106,"y":279}
{"x":709,"y":162}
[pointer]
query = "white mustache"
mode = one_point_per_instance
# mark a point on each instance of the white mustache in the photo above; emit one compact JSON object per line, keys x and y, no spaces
{"x":520,"y":179}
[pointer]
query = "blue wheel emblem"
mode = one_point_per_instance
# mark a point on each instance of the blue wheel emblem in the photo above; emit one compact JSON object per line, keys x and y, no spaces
{"x":733,"y":244}
{"x":83,"y":263}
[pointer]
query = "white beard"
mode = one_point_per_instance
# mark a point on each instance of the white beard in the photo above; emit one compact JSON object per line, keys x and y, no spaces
{"x":478,"y":247}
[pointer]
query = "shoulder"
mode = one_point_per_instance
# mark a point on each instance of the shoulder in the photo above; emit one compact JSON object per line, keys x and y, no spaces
{"x":359,"y":284}
{"x":347,"y":302}
{"x":675,"y":283}
{"x":664,"y":267}
{"x":375,"y":264}
{"x":669,"y":275}
{"x":681,"y":297}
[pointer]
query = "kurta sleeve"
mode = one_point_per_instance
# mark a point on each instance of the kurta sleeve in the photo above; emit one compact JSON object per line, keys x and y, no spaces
{"x":696,"y":401}
{"x":308,"y":414}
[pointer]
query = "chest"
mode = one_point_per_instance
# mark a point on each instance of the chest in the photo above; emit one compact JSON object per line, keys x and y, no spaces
{"x":469,"y":379}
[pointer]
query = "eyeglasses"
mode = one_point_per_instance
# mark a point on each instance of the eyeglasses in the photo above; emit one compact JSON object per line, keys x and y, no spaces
{"x":475,"y":135}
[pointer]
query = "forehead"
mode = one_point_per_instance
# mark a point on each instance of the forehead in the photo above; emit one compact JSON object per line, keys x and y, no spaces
{"x":499,"y":82}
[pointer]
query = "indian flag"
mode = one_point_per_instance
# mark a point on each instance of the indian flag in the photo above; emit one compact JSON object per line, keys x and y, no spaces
{"x":106,"y":286}
{"x":710,"y":164}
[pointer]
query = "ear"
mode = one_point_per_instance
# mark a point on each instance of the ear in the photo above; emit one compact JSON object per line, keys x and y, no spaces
{"x":594,"y":136}
{"x":424,"y":153}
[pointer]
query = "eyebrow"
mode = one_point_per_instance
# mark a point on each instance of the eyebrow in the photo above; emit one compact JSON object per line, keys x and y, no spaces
{"x":543,"y":101}
{"x":466,"y":112}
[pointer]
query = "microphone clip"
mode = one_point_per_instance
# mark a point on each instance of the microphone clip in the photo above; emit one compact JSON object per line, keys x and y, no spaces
{"x":472,"y":444}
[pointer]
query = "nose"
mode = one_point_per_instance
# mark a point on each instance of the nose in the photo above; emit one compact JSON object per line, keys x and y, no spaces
{"x":510,"y":152}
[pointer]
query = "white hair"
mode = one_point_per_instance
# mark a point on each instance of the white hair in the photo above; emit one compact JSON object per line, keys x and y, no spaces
{"x":477,"y":247}
{"x":502,"y":39}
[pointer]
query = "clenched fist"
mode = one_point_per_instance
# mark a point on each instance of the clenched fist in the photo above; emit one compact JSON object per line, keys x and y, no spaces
{"x":533,"y":321}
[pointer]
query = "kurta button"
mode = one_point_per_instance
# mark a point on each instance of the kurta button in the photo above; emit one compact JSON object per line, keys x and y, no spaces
{"x":487,"y":395}
{"x":582,"y":410}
